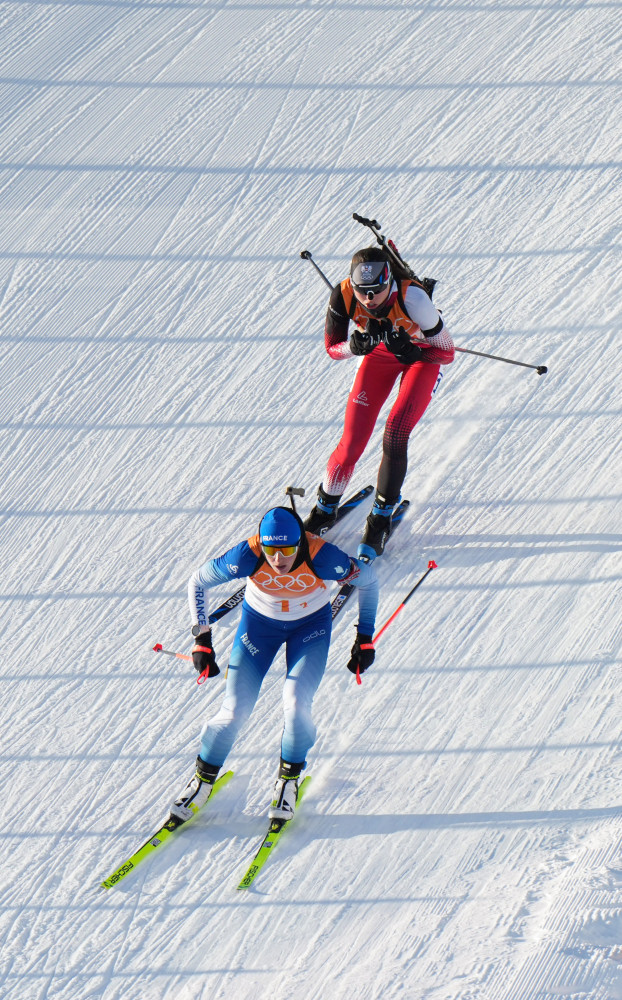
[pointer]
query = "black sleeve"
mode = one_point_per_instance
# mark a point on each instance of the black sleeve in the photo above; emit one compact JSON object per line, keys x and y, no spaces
{"x":337,"y":320}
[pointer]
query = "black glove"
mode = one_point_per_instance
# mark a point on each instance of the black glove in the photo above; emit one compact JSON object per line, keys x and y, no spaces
{"x":362,"y":654}
{"x":399,"y":343}
{"x":411,"y":354}
{"x":364,"y":341}
{"x":203,"y":655}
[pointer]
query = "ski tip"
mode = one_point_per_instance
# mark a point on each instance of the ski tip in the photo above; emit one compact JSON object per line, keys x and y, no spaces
{"x":304,"y":784}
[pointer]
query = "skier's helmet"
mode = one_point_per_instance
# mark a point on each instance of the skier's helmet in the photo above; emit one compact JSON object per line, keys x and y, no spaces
{"x":370,"y":271}
{"x":279,"y":529}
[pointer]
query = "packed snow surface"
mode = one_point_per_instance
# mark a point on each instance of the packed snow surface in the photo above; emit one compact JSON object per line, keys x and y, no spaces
{"x":164,"y":379}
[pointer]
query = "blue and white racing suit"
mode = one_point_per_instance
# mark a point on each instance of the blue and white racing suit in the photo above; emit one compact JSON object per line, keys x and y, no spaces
{"x":291,"y":608}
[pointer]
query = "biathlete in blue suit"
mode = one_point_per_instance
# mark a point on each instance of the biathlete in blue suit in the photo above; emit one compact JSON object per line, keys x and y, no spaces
{"x":286,"y":602}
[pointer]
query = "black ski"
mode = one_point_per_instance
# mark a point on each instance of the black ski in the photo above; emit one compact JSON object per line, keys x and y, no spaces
{"x":345,"y":592}
{"x":237,"y":598}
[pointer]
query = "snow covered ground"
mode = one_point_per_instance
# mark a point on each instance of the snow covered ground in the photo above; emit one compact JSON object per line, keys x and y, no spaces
{"x":163,"y":378}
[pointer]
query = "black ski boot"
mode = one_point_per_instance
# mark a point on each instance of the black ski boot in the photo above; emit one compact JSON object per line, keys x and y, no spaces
{"x":324,"y":514}
{"x":377,"y":528}
{"x":285,"y":791}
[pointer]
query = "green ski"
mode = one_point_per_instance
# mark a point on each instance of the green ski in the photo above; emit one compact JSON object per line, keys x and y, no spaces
{"x":270,"y":840}
{"x":159,"y":837}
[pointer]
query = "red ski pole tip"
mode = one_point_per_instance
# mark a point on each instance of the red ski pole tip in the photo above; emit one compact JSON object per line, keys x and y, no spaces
{"x":158,"y":647}
{"x":432,"y":564}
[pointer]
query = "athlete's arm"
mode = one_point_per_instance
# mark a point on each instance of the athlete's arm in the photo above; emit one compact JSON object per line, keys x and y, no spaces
{"x":332,"y":563}
{"x":336,"y":327}
{"x":439,"y":345}
{"x":237,"y":562}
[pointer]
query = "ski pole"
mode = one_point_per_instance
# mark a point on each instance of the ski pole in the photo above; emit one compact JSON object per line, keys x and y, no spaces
{"x":431,"y":565}
{"x":306,"y":255}
{"x":158,"y":648}
{"x":541,"y":369}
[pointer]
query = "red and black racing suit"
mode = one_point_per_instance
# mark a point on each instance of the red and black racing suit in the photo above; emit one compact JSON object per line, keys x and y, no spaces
{"x":409,"y":307}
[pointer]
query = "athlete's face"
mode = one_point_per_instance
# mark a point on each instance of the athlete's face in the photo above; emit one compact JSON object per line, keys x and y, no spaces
{"x":279,"y":561}
{"x":376,"y":301}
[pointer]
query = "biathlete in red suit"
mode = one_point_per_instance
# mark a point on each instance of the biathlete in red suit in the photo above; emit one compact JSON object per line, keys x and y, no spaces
{"x":399,"y":334}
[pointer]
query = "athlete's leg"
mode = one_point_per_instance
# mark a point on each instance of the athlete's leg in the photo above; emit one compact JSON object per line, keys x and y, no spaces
{"x":256,"y":643}
{"x":307,"y":652}
{"x":416,"y":388}
{"x":374,"y":380}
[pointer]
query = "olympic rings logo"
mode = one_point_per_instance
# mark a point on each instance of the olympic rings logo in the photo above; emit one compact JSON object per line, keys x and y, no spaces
{"x":295,"y":584}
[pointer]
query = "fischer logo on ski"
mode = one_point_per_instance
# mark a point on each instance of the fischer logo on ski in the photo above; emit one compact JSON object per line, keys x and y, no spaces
{"x":271,"y":839}
{"x":158,"y":838}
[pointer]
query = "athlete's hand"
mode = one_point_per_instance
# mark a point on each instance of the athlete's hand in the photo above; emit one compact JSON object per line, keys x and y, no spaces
{"x":411,"y":354}
{"x":397,"y":340}
{"x":380,"y":328}
{"x":203,"y":655}
{"x":362,"y":654}
{"x":364,"y":341}
{"x":400,"y":344}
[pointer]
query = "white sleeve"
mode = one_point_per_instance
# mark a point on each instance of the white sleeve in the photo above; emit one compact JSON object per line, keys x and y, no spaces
{"x":420,"y":308}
